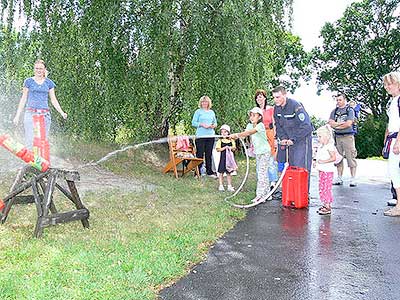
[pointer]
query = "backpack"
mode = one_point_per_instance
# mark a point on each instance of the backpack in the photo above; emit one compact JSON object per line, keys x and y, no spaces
{"x":354,"y":125}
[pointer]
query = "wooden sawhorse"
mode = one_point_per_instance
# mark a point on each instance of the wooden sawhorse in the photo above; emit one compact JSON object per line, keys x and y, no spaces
{"x":43,"y":185}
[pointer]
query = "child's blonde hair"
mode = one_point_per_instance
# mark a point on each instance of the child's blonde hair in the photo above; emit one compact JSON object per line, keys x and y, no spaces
{"x":325,"y":131}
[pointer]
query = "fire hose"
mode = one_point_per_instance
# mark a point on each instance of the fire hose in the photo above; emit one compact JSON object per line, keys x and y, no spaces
{"x":226,"y":199}
{"x":264,"y":198}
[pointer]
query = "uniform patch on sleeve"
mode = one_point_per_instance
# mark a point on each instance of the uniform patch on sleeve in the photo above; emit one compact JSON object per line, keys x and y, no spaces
{"x":302,"y":117}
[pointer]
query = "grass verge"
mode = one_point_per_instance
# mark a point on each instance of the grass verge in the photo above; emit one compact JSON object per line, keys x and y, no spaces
{"x":138,"y":242}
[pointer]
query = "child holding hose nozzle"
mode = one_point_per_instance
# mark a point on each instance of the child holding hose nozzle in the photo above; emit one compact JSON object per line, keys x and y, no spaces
{"x":262,"y":150}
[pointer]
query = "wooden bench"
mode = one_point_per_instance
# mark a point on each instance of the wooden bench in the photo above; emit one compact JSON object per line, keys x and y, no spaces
{"x":186,"y":157}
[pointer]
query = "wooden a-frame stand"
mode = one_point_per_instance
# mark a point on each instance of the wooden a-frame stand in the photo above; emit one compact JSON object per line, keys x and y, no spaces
{"x":43,"y":185}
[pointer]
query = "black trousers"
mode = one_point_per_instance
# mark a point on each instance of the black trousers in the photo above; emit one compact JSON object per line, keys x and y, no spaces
{"x":204,"y":147}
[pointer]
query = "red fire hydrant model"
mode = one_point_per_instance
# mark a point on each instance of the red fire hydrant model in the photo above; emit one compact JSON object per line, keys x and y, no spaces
{"x":41,"y":146}
{"x":25,"y":154}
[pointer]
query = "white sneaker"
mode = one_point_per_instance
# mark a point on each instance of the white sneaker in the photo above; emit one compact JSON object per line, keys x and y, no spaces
{"x":338,"y":181}
{"x":213,"y":176}
{"x":230,"y":188}
{"x":221,"y":188}
{"x":392,"y":202}
{"x":353,"y":182}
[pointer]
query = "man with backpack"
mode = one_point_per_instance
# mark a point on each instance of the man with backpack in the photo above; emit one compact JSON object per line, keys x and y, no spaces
{"x":342,"y":120}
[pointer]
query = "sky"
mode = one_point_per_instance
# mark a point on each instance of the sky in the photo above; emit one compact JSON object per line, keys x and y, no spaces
{"x":308,"y":18}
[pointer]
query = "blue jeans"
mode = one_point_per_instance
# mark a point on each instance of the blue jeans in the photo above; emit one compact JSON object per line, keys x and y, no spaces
{"x":28,"y":126}
{"x":272,"y":169}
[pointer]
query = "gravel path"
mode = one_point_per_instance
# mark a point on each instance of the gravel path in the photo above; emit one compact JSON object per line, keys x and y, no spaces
{"x":93,"y":178}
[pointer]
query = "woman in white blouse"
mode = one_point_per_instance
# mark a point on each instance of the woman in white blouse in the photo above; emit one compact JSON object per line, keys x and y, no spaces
{"x":391,"y":83}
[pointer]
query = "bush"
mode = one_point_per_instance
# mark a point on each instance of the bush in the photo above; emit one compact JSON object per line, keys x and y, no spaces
{"x":369,"y":141}
{"x":124,"y":135}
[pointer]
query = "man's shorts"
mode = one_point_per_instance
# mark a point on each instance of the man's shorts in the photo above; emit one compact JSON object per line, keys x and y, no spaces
{"x":346,"y":146}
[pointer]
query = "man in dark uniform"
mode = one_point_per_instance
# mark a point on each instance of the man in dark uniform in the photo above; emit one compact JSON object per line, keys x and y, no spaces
{"x":293,"y":128}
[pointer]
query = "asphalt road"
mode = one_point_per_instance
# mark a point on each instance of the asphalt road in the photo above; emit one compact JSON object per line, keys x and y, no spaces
{"x":282,"y":253}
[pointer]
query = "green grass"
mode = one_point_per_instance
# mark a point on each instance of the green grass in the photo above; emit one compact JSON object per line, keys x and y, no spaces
{"x":138,"y":242}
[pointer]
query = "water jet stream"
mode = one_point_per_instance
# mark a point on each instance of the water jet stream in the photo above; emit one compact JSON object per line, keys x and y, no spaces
{"x":166,"y":139}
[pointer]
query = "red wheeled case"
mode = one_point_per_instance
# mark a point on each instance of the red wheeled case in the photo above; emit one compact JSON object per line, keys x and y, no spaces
{"x":295,"y":187}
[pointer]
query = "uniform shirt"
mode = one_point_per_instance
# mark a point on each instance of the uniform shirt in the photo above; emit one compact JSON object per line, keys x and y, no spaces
{"x":393,"y":114}
{"x":38,"y":94}
{"x":206,"y":117}
{"x":292,"y":121}
{"x":342,"y":115}
{"x":259,"y":139}
{"x":323,"y":153}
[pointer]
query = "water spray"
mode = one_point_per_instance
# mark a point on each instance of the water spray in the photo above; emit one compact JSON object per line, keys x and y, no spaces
{"x":113,"y":153}
{"x":226,"y":199}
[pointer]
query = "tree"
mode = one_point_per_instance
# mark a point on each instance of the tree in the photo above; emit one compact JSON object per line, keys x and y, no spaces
{"x":129,"y":69}
{"x":317,"y":122}
{"x":358,"y":49}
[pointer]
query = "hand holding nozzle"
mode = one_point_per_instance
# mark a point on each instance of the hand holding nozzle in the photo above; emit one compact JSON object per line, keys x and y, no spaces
{"x":285,"y":142}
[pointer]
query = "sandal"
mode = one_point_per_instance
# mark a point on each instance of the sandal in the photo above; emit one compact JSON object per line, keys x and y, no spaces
{"x":324,"y":211}
{"x":323,"y":207}
{"x":393,"y":212}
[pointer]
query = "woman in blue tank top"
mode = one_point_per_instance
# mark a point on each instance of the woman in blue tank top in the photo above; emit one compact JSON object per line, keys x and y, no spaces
{"x":35,"y":94}
{"x":205,"y":121}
